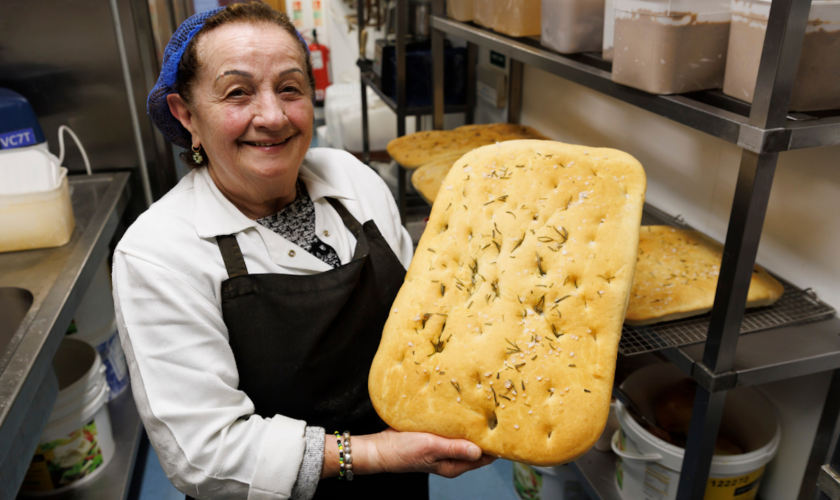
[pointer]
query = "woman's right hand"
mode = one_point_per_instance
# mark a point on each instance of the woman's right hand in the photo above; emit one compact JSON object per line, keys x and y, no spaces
{"x":392,"y":451}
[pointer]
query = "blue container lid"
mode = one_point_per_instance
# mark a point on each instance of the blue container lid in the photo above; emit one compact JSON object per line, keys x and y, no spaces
{"x":19,"y":126}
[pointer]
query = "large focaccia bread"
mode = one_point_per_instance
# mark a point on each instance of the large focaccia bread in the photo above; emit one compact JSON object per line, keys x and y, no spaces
{"x":677,"y":274}
{"x":415,"y":150}
{"x":506,"y":329}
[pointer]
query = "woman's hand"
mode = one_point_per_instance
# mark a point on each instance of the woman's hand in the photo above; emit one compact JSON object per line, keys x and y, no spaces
{"x":392,"y":451}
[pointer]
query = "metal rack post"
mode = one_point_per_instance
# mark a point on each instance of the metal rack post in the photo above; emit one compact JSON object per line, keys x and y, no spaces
{"x":437,"y":68}
{"x":360,"y":12}
{"x":776,"y":75}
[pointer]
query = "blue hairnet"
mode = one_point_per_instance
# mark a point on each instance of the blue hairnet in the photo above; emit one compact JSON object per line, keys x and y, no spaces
{"x":156,"y":105}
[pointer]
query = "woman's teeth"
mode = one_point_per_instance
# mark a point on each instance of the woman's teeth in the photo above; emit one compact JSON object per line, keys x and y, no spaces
{"x":265,"y":144}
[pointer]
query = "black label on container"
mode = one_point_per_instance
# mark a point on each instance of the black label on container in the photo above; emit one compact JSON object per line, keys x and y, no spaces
{"x":497,"y":59}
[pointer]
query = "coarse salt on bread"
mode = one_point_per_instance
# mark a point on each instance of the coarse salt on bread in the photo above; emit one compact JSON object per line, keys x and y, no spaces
{"x":677,"y":273}
{"x":506,"y":329}
{"x":415,"y":150}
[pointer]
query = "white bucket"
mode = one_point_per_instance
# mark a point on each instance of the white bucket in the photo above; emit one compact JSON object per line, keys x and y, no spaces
{"x":546,"y":483}
{"x":649,"y":468}
{"x":77,"y":442}
{"x":96,"y":324}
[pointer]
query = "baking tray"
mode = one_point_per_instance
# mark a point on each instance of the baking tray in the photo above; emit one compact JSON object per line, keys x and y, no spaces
{"x":795,"y":307}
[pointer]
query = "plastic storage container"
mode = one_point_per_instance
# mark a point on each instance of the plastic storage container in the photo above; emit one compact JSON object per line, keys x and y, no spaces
{"x":671,"y":47}
{"x":460,"y":10}
{"x":572,"y":26}
{"x":817,"y":84}
{"x":518,"y":17}
{"x":484,"y":12}
{"x":96,"y":324}
{"x":549,"y":483}
{"x":35,"y":219}
{"x":609,"y":30}
{"x":77,"y":442}
{"x":645,"y":461}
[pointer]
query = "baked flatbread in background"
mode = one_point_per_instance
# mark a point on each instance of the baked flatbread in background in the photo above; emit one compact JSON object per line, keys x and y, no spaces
{"x":506,"y":329}
{"x":415,"y":150}
{"x":428,"y":178}
{"x":677,"y":274}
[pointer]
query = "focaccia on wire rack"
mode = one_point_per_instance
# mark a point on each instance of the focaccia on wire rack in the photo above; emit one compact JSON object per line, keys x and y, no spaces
{"x":677,"y":273}
{"x":421,"y":148}
{"x":506,"y":329}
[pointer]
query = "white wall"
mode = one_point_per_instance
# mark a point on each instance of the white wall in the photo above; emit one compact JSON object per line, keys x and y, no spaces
{"x":693,"y":174}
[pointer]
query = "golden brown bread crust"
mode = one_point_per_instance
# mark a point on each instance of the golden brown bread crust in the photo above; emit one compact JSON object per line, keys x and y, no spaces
{"x":677,"y":273}
{"x":506,"y":329}
{"x":415,"y":150}
{"x":428,"y":178}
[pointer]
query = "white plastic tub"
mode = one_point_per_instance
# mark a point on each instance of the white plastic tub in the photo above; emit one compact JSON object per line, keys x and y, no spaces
{"x":670,"y":47}
{"x":460,"y":10}
{"x":645,"y":461}
{"x":549,"y":483}
{"x":96,"y":324}
{"x":609,"y":30}
{"x":572,"y":26}
{"x":77,"y":442}
{"x":518,"y":17}
{"x":484,"y":12}
{"x":817,"y":84}
{"x":36,"y":219}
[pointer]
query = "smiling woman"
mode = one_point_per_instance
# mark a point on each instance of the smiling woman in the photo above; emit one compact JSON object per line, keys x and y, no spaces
{"x":250,"y":299}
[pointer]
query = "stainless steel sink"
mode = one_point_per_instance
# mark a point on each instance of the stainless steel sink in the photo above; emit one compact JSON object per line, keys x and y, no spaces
{"x":14,"y":304}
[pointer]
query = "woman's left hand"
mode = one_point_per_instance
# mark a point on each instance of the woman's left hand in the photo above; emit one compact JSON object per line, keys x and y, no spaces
{"x":392,"y":451}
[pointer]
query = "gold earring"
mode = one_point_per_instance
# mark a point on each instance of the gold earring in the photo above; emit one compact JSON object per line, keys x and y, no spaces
{"x":197,"y":158}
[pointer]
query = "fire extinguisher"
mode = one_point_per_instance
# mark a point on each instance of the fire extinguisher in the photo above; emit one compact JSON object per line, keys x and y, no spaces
{"x":320,"y":68}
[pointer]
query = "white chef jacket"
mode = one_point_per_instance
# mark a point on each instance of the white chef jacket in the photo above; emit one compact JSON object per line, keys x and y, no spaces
{"x":167,"y":278}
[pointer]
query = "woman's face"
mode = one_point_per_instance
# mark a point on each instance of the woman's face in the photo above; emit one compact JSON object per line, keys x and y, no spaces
{"x":251,"y":108}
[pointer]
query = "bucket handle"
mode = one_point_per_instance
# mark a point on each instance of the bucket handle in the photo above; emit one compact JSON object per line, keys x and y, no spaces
{"x":631,"y":456}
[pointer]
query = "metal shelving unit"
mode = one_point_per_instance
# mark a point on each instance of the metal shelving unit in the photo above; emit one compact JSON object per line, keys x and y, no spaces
{"x":398,"y":105}
{"x":764,"y":129}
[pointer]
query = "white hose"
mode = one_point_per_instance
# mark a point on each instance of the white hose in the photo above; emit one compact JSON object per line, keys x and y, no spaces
{"x":65,"y":128}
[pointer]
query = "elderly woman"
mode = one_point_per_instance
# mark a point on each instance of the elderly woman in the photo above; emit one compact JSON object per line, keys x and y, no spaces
{"x":251,"y":298}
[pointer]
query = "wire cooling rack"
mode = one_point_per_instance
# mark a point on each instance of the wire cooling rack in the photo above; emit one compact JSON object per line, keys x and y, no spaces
{"x":795,"y":307}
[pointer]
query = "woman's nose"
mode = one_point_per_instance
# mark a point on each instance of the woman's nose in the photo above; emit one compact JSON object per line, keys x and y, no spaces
{"x":269,"y":112}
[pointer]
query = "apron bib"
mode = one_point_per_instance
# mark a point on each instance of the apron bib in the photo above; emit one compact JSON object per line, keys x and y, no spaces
{"x":304,"y":346}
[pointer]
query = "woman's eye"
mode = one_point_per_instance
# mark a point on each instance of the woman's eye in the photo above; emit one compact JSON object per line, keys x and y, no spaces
{"x":289,"y":89}
{"x":236,"y":93}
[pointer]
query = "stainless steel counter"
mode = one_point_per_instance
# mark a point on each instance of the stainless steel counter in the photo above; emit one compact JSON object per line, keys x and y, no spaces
{"x":57,"y":279}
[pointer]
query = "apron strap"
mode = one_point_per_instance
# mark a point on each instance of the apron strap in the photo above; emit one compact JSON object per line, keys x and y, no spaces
{"x":232,"y":255}
{"x":352,"y":224}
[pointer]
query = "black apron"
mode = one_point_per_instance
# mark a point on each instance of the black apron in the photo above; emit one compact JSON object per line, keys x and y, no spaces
{"x":304,"y":346}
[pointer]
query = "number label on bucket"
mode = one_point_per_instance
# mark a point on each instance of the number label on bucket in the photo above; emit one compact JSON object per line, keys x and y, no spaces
{"x":734,"y":488}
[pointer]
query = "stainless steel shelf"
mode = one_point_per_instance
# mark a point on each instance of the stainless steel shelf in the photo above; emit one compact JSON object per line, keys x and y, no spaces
{"x":114,"y":480}
{"x":708,"y":112}
{"x":769,"y":356}
{"x":368,"y":80}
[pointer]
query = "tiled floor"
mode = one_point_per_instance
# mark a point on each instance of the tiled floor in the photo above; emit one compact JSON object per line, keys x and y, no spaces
{"x":494,"y":482}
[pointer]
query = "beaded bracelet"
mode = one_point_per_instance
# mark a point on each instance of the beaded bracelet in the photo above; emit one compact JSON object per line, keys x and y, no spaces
{"x":340,"y":455}
{"x":348,"y":457}
{"x":345,"y":459}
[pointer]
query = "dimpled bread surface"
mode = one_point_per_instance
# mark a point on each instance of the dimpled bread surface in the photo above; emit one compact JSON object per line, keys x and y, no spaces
{"x":418,"y":149}
{"x":506,"y":329}
{"x":677,"y":273}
